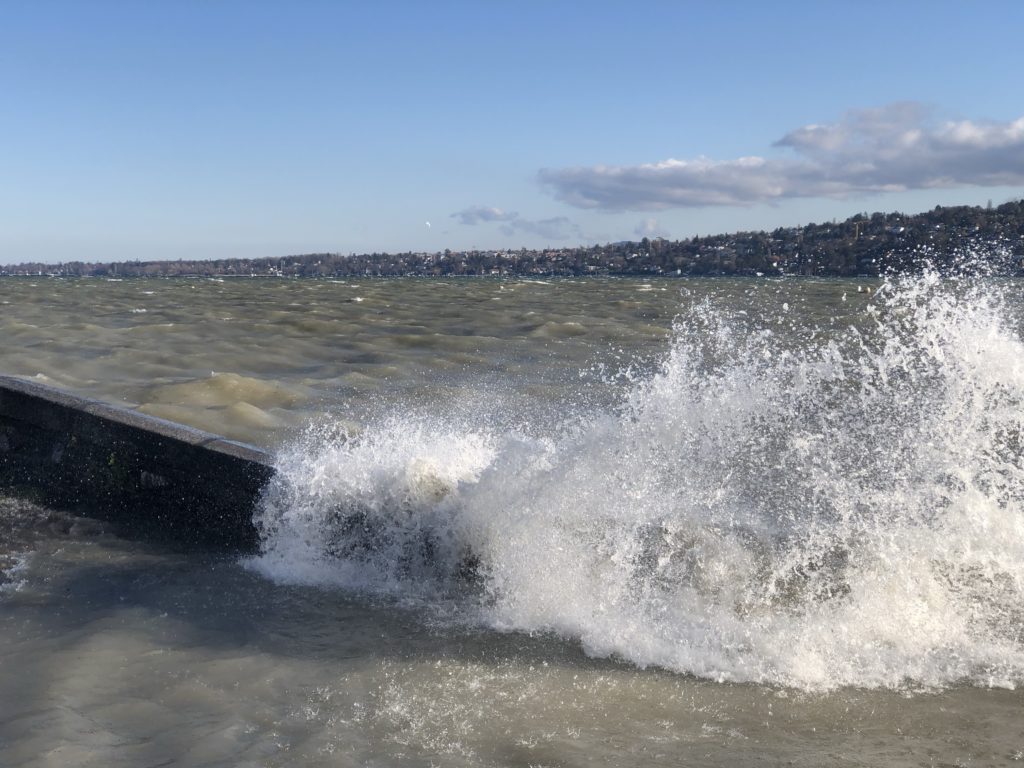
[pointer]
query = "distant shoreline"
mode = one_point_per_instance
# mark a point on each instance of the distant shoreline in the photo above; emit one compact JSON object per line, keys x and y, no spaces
{"x":864,"y":245}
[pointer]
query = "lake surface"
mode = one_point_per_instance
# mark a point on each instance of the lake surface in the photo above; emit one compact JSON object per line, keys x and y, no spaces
{"x":258,"y":359}
{"x":611,"y":522}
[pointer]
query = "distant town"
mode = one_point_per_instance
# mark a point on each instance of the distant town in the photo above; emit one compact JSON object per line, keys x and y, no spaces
{"x":864,"y":245}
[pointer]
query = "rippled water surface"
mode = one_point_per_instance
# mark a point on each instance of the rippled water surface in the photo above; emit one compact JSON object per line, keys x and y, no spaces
{"x":254,"y":359}
{"x":609,"y":522}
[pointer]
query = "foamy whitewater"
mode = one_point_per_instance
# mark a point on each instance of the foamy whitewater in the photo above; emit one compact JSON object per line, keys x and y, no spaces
{"x":816,"y":508}
{"x":803,"y":488}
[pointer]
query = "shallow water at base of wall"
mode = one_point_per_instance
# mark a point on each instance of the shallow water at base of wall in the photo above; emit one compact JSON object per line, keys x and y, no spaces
{"x":115,"y":653}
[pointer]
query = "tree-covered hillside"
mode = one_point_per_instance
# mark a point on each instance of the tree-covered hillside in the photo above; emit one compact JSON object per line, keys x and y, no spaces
{"x":865,"y":244}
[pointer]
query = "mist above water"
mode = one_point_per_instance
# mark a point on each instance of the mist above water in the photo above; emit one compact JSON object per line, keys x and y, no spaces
{"x":781,"y":500}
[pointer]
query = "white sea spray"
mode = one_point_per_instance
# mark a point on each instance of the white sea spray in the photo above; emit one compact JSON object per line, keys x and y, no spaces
{"x":811,"y":508}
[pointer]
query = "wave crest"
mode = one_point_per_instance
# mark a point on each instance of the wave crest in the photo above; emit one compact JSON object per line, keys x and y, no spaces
{"x":779,"y":502}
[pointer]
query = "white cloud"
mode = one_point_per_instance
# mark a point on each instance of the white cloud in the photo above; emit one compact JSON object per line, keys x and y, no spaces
{"x":477,"y":214}
{"x":649,"y":228}
{"x":557,"y":228}
{"x":892,"y":148}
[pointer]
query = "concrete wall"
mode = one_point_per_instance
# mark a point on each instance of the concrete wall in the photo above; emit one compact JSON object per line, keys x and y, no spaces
{"x":157,"y":478}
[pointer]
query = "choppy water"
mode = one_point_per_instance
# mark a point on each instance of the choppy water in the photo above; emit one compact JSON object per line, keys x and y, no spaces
{"x":521,"y":523}
{"x":258,"y":359}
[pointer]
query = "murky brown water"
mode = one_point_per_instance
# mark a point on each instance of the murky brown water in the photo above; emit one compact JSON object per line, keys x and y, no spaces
{"x":116,"y":652}
{"x":255,"y":359}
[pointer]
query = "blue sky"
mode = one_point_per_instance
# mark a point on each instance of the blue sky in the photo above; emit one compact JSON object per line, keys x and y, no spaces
{"x":163,"y":130}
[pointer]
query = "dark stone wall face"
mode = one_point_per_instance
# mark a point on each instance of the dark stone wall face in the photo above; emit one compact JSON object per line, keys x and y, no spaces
{"x":156,"y":478}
